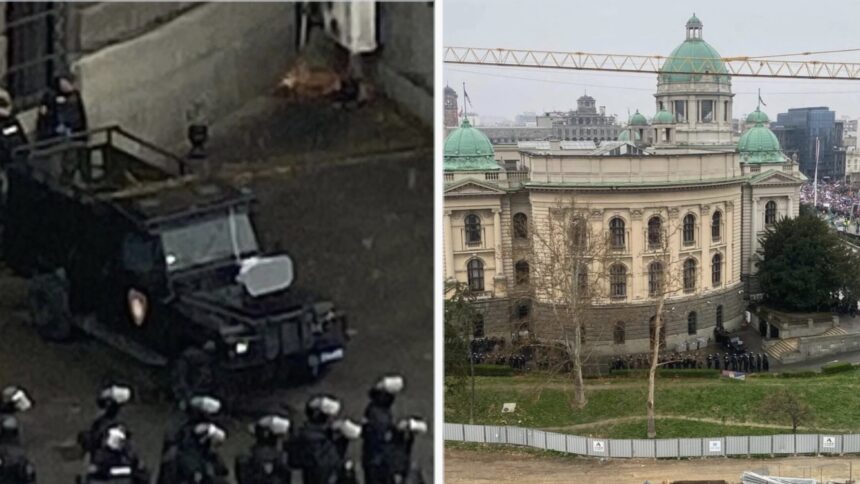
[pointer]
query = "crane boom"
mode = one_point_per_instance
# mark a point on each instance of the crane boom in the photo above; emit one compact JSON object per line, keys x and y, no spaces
{"x":735,"y":66}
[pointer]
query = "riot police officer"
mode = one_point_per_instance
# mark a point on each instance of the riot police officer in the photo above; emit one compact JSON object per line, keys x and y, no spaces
{"x":14,"y":400}
{"x":267,"y":462}
{"x":114,"y":461}
{"x":200,"y":409}
{"x":195,"y":372}
{"x":405,"y":470}
{"x":15,"y":468}
{"x":110,"y":400}
{"x":197,"y":460}
{"x":12,"y":134}
{"x":379,"y":431}
{"x":61,"y":112}
{"x":320,"y":448}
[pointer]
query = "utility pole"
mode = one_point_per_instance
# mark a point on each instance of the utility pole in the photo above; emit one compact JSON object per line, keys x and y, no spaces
{"x":815,"y":179}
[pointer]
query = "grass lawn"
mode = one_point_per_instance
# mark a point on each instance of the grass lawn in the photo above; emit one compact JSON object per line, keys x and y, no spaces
{"x":545,"y":402}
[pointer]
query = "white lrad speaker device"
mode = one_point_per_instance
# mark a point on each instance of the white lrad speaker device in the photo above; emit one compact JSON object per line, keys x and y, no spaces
{"x":352,"y":25}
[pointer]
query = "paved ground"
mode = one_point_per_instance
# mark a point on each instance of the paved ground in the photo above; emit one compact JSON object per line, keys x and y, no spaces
{"x":513,"y":465}
{"x":360,"y":231}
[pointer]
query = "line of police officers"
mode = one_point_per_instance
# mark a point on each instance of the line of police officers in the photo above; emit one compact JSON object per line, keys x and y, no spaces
{"x":744,"y":362}
{"x":318,"y":449}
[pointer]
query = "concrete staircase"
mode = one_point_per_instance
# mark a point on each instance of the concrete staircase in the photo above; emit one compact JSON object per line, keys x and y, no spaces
{"x":836,"y":330}
{"x":784,"y":346}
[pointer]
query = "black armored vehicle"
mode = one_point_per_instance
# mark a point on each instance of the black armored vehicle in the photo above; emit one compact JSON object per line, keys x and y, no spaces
{"x":122,"y":243}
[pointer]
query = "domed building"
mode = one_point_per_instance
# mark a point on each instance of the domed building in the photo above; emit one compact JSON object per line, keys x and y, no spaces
{"x":710,"y":193}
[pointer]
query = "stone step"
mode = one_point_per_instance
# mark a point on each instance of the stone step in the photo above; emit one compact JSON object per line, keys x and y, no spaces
{"x":834,"y":331}
{"x":785,"y":346}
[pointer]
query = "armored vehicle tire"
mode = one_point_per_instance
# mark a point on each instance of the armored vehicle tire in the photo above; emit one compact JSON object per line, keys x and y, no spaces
{"x":49,"y":306}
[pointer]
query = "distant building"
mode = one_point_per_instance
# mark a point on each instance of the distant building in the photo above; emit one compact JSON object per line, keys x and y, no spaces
{"x":797,"y":130}
{"x":584,"y":124}
{"x":526,"y":119}
{"x":451,"y":117}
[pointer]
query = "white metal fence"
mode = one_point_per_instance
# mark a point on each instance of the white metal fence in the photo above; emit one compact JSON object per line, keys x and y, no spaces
{"x":790,"y":444}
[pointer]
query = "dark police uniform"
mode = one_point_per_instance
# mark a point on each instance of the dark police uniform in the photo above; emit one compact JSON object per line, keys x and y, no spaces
{"x":15,"y":468}
{"x":317,"y":451}
{"x":116,"y":467}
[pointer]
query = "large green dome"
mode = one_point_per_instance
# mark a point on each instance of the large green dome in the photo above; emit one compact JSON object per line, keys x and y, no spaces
{"x":638,"y":120}
{"x":663,"y":117}
{"x":757,"y":116}
{"x":469,"y":149}
{"x":693,"y":55}
{"x":759,"y":145}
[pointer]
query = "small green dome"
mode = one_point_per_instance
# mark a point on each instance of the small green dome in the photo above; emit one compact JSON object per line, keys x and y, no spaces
{"x":624,"y":135}
{"x":469,"y":149}
{"x":663,"y":117}
{"x":757,"y":117}
{"x":638,"y":120}
{"x":759,"y":145}
{"x":694,"y":22}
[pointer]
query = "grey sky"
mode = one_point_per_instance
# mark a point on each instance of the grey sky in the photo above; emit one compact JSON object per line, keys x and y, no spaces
{"x":653,"y":27}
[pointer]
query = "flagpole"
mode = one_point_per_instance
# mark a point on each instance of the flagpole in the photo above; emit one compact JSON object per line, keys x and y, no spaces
{"x":815,"y":179}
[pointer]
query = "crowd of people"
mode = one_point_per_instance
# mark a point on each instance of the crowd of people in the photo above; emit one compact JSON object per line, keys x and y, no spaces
{"x":318,"y":450}
{"x":838,"y":203}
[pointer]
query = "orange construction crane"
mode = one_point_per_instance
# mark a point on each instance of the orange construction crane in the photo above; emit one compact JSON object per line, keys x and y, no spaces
{"x":764,"y":66}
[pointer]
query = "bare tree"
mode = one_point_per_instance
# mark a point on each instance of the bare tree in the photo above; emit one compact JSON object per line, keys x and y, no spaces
{"x":665,"y":278}
{"x":460,"y":315}
{"x":567,"y":263}
{"x":784,"y":403}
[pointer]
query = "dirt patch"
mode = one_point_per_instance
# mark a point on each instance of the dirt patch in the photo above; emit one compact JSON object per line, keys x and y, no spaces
{"x":513,"y":465}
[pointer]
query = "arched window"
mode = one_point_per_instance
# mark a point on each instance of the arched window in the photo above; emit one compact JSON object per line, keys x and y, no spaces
{"x":581,"y":278}
{"x":524,"y":307}
{"x":522,"y":272}
{"x":655,"y":232}
{"x":521,"y":226}
{"x":716,"y":225}
{"x":691,"y":323}
{"x":655,"y":278}
{"x":720,"y":316}
{"x":652,"y":328}
{"x":618,"y":281}
{"x":476,"y":274}
{"x":616,"y":233}
{"x":690,"y":275}
{"x":770,"y":213}
{"x":473,"y":229}
{"x":717,"y":270}
{"x":618,"y":333}
{"x":478,"y":326}
{"x":689,"y":229}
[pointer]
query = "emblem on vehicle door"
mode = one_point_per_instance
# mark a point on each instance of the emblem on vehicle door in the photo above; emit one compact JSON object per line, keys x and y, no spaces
{"x":137,"y":306}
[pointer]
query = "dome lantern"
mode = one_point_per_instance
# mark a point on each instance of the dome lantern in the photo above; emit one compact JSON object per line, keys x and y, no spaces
{"x":694,"y":28}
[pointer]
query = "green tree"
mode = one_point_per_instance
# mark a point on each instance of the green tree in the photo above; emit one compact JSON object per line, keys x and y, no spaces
{"x":460,"y":315}
{"x":806,"y":266}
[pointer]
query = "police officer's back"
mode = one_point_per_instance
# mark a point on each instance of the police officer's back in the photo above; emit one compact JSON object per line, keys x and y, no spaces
{"x":114,"y":461}
{"x":110,"y":400}
{"x":15,"y":468}
{"x":199,"y":409}
{"x":379,"y":431}
{"x":12,"y":134}
{"x":197,"y":460}
{"x":267,"y":462}
{"x":404,"y":469}
{"x":61,"y":112}
{"x":320,"y":447}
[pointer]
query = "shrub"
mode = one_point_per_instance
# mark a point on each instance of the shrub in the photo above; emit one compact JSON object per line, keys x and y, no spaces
{"x":669,"y":373}
{"x":836,"y":367}
{"x":493,"y":370}
{"x":798,"y":374}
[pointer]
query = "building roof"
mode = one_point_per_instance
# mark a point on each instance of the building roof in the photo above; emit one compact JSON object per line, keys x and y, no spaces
{"x":693,"y":55}
{"x":534,"y":145}
{"x":577,"y":145}
{"x":663,"y":117}
{"x":469,"y":149}
{"x":638,"y":120}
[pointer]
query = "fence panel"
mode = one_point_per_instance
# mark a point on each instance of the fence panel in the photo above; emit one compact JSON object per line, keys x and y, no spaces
{"x":556,"y":442}
{"x":737,"y":445}
{"x":712,"y":446}
{"x":598,"y":447}
{"x":537,"y":439}
{"x":643,"y":448}
{"x":783,"y":444}
{"x":667,"y":447}
{"x":761,"y":444}
{"x":620,"y":448}
{"x":830,"y":444}
{"x":850,"y":443}
{"x":806,"y":444}
{"x":453,"y":432}
{"x":690,"y":447}
{"x":577,"y":445}
{"x":495,"y":435}
{"x":473,"y":433}
{"x":516,"y":435}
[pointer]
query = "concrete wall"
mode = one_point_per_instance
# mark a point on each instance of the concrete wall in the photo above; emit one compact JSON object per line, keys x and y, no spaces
{"x":404,"y":70}
{"x":207,"y":62}
{"x":818,"y":346}
{"x":95,"y":25}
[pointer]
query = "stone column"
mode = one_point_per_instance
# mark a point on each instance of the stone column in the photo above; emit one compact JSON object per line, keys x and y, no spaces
{"x":754,"y":234}
{"x":448,"y":248}
{"x":729,"y":236}
{"x":705,"y":234}
{"x":790,"y":205}
{"x":497,"y":243}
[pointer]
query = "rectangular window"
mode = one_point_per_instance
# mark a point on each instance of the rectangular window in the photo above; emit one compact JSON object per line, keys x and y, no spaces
{"x":726,"y":111}
{"x":706,"y":112}
{"x":680,"y":111}
{"x":661,"y":106}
